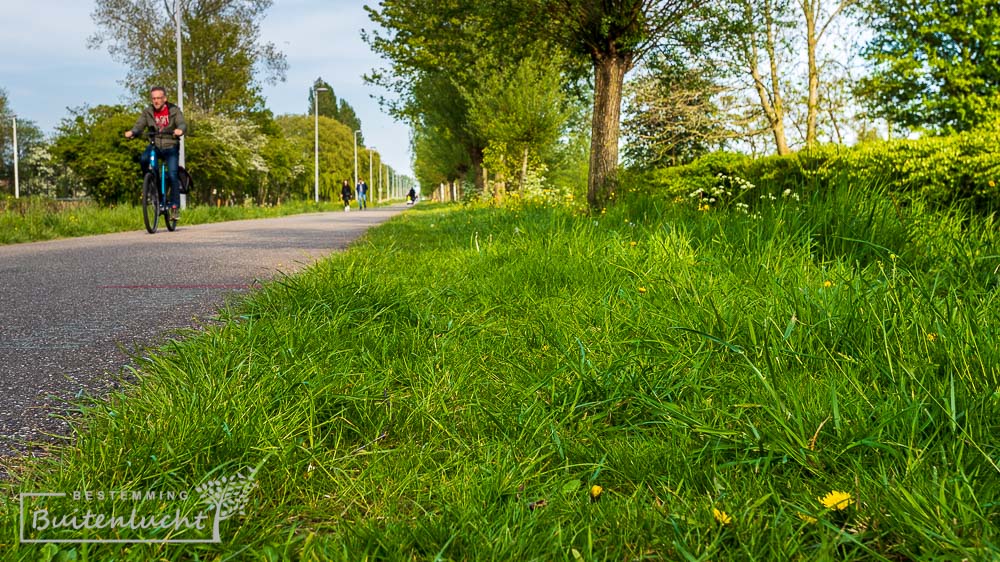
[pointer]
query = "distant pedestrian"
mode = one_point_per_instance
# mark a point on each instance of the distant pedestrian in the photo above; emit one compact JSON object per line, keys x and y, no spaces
{"x":362,"y":190}
{"x":345,"y":194}
{"x":412,"y":196}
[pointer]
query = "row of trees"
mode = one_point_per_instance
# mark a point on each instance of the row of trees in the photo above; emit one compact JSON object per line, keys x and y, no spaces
{"x":499,"y":89}
{"x":236,"y":149}
{"x":510,"y":92}
{"x":233,"y":159}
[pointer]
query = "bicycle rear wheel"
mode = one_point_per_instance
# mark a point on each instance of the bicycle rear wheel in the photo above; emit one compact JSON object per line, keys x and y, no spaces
{"x":150,"y":203}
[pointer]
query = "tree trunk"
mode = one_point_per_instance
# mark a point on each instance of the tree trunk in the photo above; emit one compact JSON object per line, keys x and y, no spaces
{"x":480,"y":175}
{"x":524,"y":170}
{"x":500,"y":183}
{"x":778,"y":121}
{"x":609,"y":74}
{"x":812,"y":105}
{"x":769,"y":93}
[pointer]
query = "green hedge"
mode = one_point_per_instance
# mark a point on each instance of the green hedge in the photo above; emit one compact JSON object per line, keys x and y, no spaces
{"x":957,"y":169}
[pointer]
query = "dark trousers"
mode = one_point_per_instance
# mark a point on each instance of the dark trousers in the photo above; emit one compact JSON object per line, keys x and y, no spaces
{"x":171,"y":156}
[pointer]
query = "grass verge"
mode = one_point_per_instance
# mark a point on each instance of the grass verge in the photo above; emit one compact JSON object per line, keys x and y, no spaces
{"x":35,"y":219}
{"x":819,"y":380}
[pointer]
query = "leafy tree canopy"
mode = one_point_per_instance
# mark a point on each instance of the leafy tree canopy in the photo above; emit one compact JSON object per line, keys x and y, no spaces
{"x":936,"y":63}
{"x":225,"y":62}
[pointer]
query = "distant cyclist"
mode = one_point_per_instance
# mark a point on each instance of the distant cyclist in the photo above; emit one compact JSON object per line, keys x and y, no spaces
{"x":167,"y":122}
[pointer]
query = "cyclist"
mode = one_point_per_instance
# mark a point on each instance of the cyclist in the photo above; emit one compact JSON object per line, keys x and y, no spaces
{"x":167,"y":122}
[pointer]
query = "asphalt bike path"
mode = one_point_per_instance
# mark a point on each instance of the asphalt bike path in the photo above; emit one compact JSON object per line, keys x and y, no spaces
{"x":72,"y":311}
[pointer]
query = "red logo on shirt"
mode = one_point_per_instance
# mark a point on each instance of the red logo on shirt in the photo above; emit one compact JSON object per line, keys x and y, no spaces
{"x":162,"y":117}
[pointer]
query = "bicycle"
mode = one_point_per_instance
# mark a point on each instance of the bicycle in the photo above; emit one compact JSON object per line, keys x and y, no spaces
{"x":154,"y":191}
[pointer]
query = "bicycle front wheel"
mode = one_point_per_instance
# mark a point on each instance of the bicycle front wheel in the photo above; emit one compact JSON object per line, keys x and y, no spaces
{"x":170,"y":222}
{"x":150,"y":203}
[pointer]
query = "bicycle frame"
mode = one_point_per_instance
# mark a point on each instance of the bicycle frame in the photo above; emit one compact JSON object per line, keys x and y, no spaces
{"x":162,"y":168}
{"x":156,"y":180}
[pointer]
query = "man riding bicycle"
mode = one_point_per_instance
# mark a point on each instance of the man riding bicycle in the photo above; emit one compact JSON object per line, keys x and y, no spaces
{"x":167,"y":122}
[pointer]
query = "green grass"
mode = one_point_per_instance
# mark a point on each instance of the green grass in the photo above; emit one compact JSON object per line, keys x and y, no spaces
{"x":34,"y":219}
{"x":452,"y":387}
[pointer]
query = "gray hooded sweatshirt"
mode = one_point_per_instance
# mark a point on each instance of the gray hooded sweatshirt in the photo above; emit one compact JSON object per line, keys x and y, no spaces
{"x":164,"y":137}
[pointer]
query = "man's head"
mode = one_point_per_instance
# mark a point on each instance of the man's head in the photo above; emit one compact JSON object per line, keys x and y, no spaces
{"x":158,"y":96}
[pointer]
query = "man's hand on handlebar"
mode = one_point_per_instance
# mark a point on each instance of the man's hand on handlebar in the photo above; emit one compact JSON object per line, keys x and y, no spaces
{"x":128,"y":134}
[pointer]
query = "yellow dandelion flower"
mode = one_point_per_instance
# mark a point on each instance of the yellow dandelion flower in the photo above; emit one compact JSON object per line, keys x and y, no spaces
{"x":642,"y":290}
{"x":932,"y":337}
{"x":632,"y":244}
{"x":828,"y":284}
{"x":992,"y":183}
{"x":721,"y":516}
{"x":836,"y":500}
{"x":595,"y":492}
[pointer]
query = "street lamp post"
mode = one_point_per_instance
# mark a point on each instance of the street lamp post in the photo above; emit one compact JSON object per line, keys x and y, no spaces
{"x":370,"y":149}
{"x":316,"y":92}
{"x":17,"y":185}
{"x":356,"y":133}
{"x":180,"y":86}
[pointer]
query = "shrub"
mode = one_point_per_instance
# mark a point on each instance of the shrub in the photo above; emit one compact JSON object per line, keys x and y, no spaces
{"x":961,"y":169}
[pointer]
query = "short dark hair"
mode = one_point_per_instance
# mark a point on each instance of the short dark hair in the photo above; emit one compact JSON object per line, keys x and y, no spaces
{"x":160,"y":88}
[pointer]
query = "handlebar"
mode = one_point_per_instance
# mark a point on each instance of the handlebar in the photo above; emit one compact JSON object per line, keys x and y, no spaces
{"x":151,"y":135}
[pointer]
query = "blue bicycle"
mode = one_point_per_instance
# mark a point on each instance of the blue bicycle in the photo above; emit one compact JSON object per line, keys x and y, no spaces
{"x":155,"y":201}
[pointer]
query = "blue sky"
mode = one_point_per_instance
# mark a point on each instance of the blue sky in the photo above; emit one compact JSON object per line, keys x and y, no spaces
{"x":46,"y":67}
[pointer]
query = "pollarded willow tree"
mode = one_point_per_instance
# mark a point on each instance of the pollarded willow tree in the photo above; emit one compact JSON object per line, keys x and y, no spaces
{"x":521,"y":110}
{"x":221,"y":47}
{"x":616,"y":35}
{"x":433,"y":48}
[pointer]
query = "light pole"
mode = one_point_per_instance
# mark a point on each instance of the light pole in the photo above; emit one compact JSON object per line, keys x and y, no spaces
{"x":316,"y":92}
{"x":17,"y":185}
{"x":356,"y":133}
{"x":180,"y":86}
{"x":370,"y":149}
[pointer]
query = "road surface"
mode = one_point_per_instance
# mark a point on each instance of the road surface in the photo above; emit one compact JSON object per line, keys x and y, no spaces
{"x":72,"y":311}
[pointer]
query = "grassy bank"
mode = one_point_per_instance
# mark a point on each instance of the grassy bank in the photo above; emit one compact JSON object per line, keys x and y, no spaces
{"x":34,"y":219}
{"x":815,"y":380}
